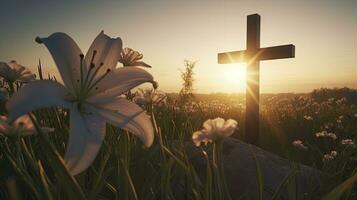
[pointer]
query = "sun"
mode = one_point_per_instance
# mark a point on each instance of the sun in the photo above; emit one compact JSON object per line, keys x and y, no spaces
{"x":235,"y":77}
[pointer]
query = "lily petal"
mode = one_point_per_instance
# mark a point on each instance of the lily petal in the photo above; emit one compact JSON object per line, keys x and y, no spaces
{"x":87,"y":132}
{"x":66,"y":54}
{"x":107,"y":52}
{"x":141,"y":64}
{"x":5,"y":70}
{"x":36,"y":95}
{"x":121,"y":80}
{"x":4,"y":67}
{"x":129,"y":116}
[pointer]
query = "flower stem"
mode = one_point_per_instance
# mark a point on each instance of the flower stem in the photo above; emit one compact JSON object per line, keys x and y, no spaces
{"x":218,"y":166}
{"x":11,"y":87}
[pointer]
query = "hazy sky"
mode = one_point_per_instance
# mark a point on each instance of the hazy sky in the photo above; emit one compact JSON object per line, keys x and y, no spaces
{"x":167,"y":32}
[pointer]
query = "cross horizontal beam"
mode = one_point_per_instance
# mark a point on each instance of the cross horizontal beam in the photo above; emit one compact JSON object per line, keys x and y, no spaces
{"x":268,"y":53}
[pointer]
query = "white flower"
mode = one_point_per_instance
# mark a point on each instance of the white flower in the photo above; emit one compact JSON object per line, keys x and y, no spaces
{"x":199,"y":137}
{"x":328,"y":157}
{"x":326,"y":134}
{"x":347,"y":142}
{"x":333,"y":153}
{"x":129,"y":57}
{"x":22,"y":126}
{"x":321,"y":134}
{"x":214,"y":129}
{"x":308,"y":118}
{"x":91,"y":90}
{"x":299,"y":145}
{"x":331,"y":135}
{"x":13,"y":72}
{"x":342,"y":100}
{"x":328,"y":125}
{"x":146,"y":96}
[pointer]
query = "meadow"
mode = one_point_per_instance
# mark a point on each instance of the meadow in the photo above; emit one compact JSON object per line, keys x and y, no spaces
{"x":124,"y":169}
{"x":96,"y":136}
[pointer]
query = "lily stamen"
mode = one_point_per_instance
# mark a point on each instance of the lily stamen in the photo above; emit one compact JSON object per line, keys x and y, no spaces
{"x":93,"y":55}
{"x":91,"y":67}
{"x":95,"y":73}
{"x":97,"y":81}
{"x":81,"y":56}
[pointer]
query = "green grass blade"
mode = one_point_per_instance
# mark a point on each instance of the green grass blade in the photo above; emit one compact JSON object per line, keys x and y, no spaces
{"x":45,"y":186}
{"x":67,"y":181}
{"x":130,"y":181}
{"x":260,"y":178}
{"x":177,"y":160}
{"x":338,"y":191}
{"x":285,"y":181}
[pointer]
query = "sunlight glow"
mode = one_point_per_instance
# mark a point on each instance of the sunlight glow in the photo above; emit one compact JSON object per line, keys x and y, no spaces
{"x":234,"y":77}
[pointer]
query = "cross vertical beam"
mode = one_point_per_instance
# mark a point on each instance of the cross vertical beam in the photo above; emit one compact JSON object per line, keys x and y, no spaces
{"x":252,"y":56}
{"x":252,"y":88}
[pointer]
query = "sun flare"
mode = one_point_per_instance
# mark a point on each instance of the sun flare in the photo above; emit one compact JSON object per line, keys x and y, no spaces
{"x":235,"y":77}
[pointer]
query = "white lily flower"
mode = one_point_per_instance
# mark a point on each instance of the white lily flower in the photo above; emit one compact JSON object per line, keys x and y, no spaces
{"x":214,"y":129}
{"x":13,"y":72}
{"x":129,"y":57}
{"x":147,"y":96}
{"x":91,"y":90}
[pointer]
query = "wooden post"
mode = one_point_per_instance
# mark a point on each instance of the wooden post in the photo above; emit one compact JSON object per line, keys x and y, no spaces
{"x":252,"y":89}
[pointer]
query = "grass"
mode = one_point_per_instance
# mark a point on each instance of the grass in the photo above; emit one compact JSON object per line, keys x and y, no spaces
{"x":32,"y":167}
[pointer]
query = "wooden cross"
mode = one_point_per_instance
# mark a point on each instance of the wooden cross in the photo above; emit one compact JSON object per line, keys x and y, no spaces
{"x":252,"y":56}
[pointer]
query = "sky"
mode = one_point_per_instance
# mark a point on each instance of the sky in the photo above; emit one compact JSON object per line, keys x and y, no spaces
{"x":167,"y":32}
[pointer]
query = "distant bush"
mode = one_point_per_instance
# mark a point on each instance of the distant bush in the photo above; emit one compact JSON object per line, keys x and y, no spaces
{"x":324,"y":94}
{"x":186,"y":93}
